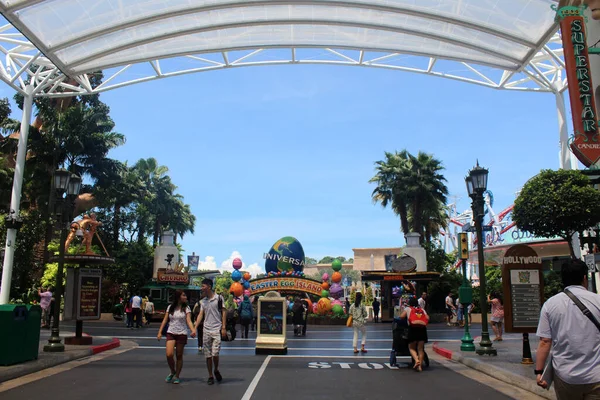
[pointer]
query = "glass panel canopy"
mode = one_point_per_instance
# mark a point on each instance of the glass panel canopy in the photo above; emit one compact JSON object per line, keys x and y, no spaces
{"x":87,"y":35}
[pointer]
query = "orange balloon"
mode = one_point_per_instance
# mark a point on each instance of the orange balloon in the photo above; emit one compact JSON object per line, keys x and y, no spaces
{"x":336,"y":277}
{"x":325,"y":285}
{"x":237,"y":289}
{"x":247,"y":276}
{"x":323,"y":306}
{"x":310,"y":305}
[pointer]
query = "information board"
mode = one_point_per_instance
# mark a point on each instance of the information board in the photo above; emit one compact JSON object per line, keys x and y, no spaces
{"x":89,"y":289}
{"x":271,"y":317}
{"x":523,"y":285}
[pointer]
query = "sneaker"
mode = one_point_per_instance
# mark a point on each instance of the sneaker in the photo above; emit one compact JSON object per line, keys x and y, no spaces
{"x":211,"y":381}
{"x":175,"y":381}
{"x":169,"y":378}
{"x":218,"y":376}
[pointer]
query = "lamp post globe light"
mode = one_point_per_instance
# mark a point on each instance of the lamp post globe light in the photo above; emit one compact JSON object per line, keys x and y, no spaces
{"x":69,"y":184}
{"x":476,"y":186}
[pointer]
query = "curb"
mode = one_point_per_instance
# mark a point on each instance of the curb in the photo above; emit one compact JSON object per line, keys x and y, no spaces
{"x":113,"y":344}
{"x":496,"y":372}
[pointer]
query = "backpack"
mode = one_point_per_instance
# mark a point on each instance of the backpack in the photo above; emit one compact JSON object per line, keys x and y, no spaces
{"x":246,"y":312}
{"x":418,"y":317}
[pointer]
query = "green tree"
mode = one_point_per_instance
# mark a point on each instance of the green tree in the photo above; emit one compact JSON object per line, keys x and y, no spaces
{"x":415,"y":189}
{"x":223,"y":283}
{"x":310,"y":260}
{"x":437,"y":258}
{"x":557,"y":203}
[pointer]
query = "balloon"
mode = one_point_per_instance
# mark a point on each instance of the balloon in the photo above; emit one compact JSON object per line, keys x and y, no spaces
{"x":236,"y":276}
{"x":246,"y":292}
{"x":237,"y":263}
{"x":336,"y":301}
{"x":237,"y":289}
{"x":325,"y":276}
{"x":311,"y":306}
{"x":325,"y":285}
{"x":338,"y":309}
{"x":246,"y":285}
{"x":325,"y":293}
{"x":336,"y":265}
{"x":323,"y":306}
{"x":336,"y":291}
{"x":314,"y":308}
{"x":247,"y":276}
{"x":336,"y":277}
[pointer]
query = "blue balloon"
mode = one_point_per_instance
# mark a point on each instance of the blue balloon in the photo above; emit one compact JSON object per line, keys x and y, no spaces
{"x":236,"y":275}
{"x":246,"y":285}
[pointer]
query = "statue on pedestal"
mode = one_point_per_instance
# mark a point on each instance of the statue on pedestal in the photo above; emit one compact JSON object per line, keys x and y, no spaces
{"x":86,"y":227}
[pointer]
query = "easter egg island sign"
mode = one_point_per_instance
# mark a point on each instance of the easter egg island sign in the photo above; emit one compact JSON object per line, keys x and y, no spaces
{"x":523,"y":287}
{"x":287,"y":283}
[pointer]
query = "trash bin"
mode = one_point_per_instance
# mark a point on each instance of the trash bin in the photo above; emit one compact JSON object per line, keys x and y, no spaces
{"x":20,"y":333}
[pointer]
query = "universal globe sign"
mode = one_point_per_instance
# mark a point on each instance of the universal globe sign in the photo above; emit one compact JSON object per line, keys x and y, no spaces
{"x":285,"y":257}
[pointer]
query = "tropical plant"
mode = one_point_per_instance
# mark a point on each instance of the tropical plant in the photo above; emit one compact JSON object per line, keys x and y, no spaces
{"x":557,"y":203}
{"x":415,"y":189}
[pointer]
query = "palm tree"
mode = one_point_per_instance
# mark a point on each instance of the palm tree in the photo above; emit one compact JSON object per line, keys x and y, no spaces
{"x":414,"y":187}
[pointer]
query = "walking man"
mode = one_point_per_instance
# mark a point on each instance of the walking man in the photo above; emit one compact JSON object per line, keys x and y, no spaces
{"x":136,"y":310}
{"x":215,"y":316}
{"x":423,"y":301}
{"x":45,"y":300}
{"x":375,"y":305}
{"x":572,"y":337}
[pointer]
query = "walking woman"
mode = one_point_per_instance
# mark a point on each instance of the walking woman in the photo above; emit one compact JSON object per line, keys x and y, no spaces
{"x":178,"y":317}
{"x":417,"y":331}
{"x":245,"y":312}
{"x":298,"y":317}
{"x":497,"y":314}
{"x":359,"y":318}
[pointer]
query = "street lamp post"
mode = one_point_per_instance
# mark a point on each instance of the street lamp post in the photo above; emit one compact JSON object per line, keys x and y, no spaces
{"x":476,"y":186}
{"x":69,"y":184}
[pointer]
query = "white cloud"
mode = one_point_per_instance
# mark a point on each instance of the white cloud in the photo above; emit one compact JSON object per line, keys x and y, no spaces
{"x":209,"y":263}
{"x":255,"y":269}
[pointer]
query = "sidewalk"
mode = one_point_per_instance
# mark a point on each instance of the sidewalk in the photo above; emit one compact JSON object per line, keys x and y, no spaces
{"x":48,"y":360}
{"x":506,"y":366}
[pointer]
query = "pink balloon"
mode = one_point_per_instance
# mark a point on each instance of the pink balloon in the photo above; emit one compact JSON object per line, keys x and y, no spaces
{"x":247,"y":292}
{"x":336,"y":302}
{"x":325,"y":276}
{"x":237,"y":263}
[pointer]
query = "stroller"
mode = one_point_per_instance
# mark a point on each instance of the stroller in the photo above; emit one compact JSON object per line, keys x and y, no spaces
{"x":400,"y":344}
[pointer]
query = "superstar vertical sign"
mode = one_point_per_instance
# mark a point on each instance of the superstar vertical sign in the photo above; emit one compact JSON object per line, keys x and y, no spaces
{"x":585,"y":144}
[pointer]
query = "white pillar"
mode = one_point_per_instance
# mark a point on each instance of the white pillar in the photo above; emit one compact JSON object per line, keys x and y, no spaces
{"x":567,"y":159}
{"x":15,"y":199}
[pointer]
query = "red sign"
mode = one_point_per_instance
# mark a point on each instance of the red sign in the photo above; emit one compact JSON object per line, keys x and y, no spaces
{"x":585,"y":145}
{"x":164,"y":275}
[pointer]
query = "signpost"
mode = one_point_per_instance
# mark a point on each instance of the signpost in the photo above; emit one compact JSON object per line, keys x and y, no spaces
{"x":89,"y":288}
{"x":272,"y":321}
{"x":523,"y":286}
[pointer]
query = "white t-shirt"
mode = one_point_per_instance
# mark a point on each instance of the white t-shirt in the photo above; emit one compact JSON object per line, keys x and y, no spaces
{"x":448,"y":302}
{"x":178,"y":321}
{"x":422,"y":302}
{"x":213,"y":319}
{"x":575,"y":339}
{"x":136,"y":302}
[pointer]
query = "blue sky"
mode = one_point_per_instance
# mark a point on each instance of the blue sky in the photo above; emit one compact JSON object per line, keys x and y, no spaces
{"x":265,"y":152}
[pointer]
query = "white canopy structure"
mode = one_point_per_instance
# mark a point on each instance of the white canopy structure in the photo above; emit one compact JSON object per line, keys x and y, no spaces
{"x":51,"y":48}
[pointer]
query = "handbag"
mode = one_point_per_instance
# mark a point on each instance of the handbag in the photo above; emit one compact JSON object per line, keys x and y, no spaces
{"x":349,"y":322}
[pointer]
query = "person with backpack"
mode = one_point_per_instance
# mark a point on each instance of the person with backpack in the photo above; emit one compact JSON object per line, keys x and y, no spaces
{"x":298,"y":317}
{"x":359,"y":315}
{"x":417,"y":331}
{"x":245,"y":312}
{"x":214,"y":317}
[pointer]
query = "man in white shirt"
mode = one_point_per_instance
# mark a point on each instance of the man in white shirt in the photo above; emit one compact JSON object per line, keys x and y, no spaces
{"x":423,"y":300}
{"x":572,"y":337}
{"x":449,"y":309}
{"x":215,"y":318}
{"x":136,"y":308}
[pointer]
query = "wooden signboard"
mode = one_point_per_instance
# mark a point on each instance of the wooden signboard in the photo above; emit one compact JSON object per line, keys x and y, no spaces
{"x":523,"y":286}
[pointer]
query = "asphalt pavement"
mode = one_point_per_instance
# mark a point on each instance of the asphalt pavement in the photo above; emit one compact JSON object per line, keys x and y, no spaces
{"x":318,"y":366}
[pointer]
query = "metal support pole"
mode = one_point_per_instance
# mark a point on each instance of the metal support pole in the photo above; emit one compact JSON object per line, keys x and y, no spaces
{"x":566,"y":158}
{"x":467,"y":340}
{"x":526,"y":350}
{"x":485,"y":345}
{"x":54,"y":344}
{"x":15,"y":199}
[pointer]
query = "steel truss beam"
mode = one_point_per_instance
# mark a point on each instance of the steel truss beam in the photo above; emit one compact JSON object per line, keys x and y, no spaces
{"x":23,"y":63}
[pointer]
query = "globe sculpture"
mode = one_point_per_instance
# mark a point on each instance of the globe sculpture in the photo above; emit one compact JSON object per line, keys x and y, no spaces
{"x":286,"y":255}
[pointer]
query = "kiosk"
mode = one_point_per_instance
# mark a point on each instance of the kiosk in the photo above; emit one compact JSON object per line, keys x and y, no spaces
{"x":272,"y":318}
